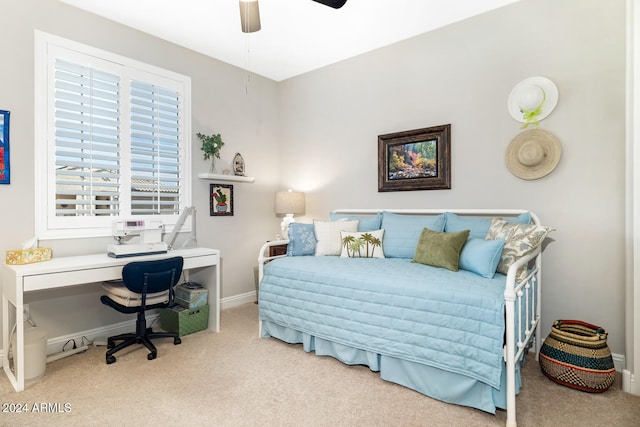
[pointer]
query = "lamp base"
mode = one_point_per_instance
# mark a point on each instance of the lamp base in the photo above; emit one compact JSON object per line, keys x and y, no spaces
{"x":284,"y":225}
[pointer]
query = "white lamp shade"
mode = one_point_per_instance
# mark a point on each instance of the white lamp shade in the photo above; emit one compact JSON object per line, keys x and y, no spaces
{"x":289,"y":202}
{"x":249,"y":16}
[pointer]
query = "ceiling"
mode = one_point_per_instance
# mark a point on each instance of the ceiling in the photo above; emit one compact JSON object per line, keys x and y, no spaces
{"x":297,"y":36}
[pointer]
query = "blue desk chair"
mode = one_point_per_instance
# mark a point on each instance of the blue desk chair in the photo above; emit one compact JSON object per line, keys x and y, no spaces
{"x":143,"y":280}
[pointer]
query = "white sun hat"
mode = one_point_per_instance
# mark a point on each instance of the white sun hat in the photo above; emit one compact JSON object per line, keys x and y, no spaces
{"x":533,"y":153}
{"x":532,"y":100}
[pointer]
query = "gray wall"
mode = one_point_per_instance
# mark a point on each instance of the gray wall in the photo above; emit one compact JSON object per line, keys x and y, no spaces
{"x":318,"y":133}
{"x":463,"y":74}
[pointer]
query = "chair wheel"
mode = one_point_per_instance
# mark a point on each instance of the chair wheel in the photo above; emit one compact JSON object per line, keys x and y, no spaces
{"x":152,"y":356}
{"x":177,"y":341}
{"x":111,"y":359}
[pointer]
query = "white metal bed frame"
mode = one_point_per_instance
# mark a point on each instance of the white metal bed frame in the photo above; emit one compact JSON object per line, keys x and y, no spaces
{"x":522,"y":299}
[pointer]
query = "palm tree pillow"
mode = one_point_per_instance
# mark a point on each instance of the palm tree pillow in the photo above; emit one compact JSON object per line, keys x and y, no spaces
{"x":363,"y":244}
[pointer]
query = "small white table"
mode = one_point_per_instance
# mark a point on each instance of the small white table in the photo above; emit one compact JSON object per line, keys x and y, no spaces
{"x":201,"y":263}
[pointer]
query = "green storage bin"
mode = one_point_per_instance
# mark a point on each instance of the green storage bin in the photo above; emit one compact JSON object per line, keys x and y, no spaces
{"x":184,"y":321}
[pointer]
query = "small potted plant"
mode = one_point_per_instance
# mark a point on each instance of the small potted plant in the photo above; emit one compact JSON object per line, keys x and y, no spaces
{"x":211,"y":145}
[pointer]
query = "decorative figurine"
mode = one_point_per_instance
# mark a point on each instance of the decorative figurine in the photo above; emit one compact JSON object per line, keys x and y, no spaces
{"x":238,"y":165}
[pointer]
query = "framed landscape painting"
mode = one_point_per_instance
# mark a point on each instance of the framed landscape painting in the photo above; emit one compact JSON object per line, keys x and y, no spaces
{"x":5,"y":167}
{"x":417,"y":159}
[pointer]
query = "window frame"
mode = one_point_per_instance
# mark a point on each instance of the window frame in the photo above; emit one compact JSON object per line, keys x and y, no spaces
{"x":47,"y":48}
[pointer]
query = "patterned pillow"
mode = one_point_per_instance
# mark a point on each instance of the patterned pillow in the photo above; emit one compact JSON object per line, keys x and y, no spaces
{"x":366,"y":244}
{"x":519,"y":241}
{"x":328,"y":235}
{"x":302,"y":239}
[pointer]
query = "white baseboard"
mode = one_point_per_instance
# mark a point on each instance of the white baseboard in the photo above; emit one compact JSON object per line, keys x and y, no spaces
{"x":56,"y":344}
{"x":629,"y":383}
{"x":618,"y":361}
{"x":238,"y":300}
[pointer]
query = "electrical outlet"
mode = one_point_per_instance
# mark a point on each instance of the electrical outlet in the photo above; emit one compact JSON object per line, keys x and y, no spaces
{"x":25,"y":310}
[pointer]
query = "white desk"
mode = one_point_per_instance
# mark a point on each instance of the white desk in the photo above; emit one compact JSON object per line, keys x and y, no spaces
{"x":68,"y":271}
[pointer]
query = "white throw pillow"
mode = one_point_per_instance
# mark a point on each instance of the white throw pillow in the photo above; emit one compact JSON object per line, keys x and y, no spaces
{"x":362,"y":244}
{"x":328,"y":236}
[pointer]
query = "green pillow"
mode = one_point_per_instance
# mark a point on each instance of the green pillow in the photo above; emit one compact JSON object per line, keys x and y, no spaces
{"x":440,"y":249}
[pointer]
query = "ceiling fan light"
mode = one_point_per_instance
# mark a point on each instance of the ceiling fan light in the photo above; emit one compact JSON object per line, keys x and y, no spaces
{"x":249,"y":16}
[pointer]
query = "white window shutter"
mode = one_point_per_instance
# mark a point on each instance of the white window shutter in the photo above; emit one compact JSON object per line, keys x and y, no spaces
{"x":87,"y":141}
{"x":155,"y":150}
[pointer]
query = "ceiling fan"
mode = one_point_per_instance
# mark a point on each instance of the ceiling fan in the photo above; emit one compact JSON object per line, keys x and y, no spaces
{"x":336,"y":4}
{"x":250,"y":14}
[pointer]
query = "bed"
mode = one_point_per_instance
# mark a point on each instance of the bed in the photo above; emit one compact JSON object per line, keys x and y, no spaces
{"x":458,"y":336}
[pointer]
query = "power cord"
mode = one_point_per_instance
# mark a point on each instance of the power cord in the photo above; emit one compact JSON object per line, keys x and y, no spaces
{"x":74,"y":344}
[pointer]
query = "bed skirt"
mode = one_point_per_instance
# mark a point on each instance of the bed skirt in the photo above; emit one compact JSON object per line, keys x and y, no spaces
{"x":433,"y":382}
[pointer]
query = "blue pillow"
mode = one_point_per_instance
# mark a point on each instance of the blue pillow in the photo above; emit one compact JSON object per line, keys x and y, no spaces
{"x":478,"y":226}
{"x":367,"y":222}
{"x":481,"y":256}
{"x":302,"y":239}
{"x":402,"y":231}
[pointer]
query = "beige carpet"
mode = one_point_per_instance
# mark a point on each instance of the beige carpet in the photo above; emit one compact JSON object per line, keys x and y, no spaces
{"x":235,"y":379}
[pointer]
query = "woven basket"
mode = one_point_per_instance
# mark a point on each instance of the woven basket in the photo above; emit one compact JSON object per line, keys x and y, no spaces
{"x":575,"y":354}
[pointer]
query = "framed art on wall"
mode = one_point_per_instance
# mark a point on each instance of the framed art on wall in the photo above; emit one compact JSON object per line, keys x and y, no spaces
{"x":5,"y":167}
{"x":416,"y":159}
{"x":221,"y":201}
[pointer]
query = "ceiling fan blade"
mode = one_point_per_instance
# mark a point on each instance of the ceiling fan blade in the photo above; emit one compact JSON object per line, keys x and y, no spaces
{"x":336,"y":4}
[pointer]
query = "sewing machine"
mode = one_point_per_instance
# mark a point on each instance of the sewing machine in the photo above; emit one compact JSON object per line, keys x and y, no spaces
{"x":149,"y":232}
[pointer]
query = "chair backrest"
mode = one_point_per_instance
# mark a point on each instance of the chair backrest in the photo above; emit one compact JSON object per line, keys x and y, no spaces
{"x":152,"y":276}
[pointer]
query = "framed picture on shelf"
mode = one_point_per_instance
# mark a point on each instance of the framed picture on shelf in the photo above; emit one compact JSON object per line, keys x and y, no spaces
{"x":221,"y":200}
{"x":417,"y":159}
{"x":5,"y":166}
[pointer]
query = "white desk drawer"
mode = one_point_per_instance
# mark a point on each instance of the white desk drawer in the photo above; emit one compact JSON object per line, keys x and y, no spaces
{"x":70,"y":278}
{"x":201,"y":261}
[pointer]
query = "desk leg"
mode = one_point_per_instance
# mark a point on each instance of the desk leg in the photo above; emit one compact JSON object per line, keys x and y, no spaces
{"x":16,"y":380}
{"x":209,"y":277}
{"x":6,"y":330}
{"x":216,"y":315}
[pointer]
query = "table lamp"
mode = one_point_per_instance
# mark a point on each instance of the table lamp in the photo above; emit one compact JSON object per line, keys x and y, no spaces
{"x":288,"y":203}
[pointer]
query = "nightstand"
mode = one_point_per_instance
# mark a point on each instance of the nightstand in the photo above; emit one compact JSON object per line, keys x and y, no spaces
{"x":277,"y":250}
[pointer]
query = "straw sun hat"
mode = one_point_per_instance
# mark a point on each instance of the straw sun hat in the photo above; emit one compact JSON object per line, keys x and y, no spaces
{"x":533,"y":154}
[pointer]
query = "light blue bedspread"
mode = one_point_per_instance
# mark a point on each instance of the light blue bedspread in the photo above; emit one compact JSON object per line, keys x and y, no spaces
{"x":448,"y":320}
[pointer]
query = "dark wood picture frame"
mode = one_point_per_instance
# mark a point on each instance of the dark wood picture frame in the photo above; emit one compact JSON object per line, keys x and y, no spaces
{"x":221,"y":200}
{"x":418,"y":159}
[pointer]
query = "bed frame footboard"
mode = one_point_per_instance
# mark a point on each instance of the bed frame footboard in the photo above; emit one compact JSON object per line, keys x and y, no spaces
{"x":522,"y":317}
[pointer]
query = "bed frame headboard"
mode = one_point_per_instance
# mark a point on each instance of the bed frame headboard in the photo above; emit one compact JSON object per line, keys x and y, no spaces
{"x":470,"y":212}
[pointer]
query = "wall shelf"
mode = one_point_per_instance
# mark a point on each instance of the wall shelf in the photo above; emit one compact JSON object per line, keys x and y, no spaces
{"x":220,"y":177}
